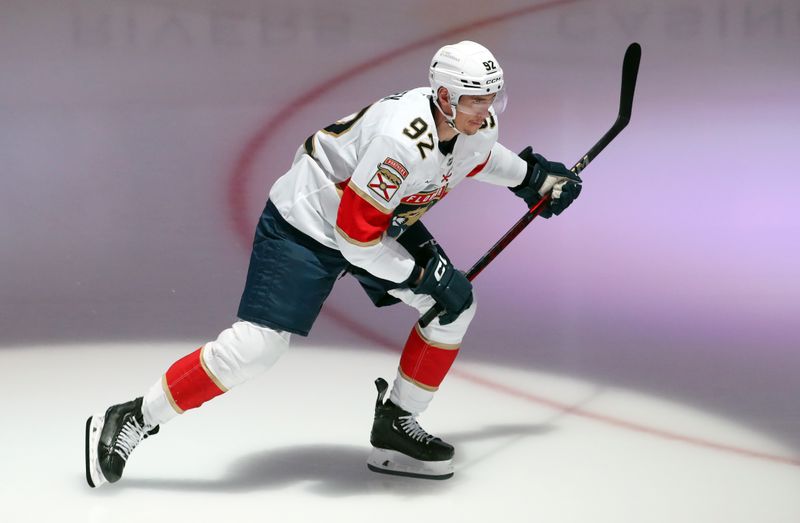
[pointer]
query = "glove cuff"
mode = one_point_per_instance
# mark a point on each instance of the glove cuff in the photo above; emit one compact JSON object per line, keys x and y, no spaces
{"x":411,"y":281}
{"x":537,"y":164}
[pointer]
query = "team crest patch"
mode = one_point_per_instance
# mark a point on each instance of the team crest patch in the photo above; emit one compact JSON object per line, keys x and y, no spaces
{"x":386,"y":180}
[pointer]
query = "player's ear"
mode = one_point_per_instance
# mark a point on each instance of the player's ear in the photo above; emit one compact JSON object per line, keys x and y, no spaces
{"x":443,"y":95}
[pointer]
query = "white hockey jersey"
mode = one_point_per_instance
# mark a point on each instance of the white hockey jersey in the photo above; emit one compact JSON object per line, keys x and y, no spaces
{"x":357,"y":184}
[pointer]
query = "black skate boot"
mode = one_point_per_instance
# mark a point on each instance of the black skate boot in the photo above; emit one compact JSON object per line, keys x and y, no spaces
{"x":402,"y":447}
{"x":111,"y":438}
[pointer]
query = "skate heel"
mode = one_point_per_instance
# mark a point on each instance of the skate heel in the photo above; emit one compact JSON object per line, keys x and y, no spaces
{"x":94,"y":476}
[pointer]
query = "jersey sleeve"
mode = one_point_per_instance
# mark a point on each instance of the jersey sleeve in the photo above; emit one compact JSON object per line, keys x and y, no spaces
{"x":501,"y":167}
{"x":378,"y":183}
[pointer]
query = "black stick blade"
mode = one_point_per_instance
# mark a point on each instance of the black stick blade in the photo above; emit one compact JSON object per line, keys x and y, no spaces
{"x":630,"y":70}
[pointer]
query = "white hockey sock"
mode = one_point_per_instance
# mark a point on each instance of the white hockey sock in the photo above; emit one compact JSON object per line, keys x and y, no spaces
{"x":409,"y":396}
{"x":156,"y":408}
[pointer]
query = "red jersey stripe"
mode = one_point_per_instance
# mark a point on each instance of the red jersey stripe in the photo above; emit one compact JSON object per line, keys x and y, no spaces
{"x":359,"y":218}
{"x":479,"y":168}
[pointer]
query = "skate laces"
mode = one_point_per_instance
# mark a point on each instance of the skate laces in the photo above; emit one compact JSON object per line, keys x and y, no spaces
{"x":130,"y":436}
{"x":411,"y":427}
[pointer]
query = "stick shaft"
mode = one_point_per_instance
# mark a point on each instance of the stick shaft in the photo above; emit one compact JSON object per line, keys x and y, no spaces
{"x":630,"y":70}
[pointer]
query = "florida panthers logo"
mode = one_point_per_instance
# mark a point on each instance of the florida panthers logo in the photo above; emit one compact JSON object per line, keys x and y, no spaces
{"x":412,"y":208}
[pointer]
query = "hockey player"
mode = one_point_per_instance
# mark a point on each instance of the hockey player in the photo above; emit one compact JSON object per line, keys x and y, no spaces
{"x":351,"y":202}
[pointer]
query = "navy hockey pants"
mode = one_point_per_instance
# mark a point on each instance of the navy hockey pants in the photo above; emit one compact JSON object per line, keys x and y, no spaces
{"x":291,"y":274}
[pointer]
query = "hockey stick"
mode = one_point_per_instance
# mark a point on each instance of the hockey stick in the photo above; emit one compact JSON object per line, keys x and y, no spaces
{"x":630,"y":69}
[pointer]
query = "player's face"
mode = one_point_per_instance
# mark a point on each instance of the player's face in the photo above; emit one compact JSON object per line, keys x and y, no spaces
{"x":472,"y":111}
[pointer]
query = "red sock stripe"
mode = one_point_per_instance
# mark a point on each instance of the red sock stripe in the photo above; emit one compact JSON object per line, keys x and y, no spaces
{"x":189,"y":383}
{"x":424,"y":363}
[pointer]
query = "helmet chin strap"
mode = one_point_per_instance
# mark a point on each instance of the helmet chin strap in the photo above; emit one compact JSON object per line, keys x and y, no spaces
{"x":451,"y":120}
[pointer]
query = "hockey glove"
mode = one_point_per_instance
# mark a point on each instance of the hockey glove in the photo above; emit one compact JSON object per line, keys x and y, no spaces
{"x":547,"y":177}
{"x":447,"y":286}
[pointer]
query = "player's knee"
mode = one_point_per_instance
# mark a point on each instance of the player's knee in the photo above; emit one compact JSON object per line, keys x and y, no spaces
{"x":452,"y":333}
{"x":244,"y":351}
{"x":258,"y":346}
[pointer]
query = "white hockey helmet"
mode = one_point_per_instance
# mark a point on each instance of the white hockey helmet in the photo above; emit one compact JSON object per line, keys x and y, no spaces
{"x":467,"y":68}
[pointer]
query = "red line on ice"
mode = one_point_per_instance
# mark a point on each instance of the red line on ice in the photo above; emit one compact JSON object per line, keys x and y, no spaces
{"x":386,"y":343}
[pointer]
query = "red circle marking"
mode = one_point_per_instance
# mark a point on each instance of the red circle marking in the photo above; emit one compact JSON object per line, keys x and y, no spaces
{"x":242,"y":173}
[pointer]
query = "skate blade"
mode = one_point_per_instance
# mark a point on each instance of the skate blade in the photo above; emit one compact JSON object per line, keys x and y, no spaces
{"x":386,"y":461}
{"x":94,"y":426}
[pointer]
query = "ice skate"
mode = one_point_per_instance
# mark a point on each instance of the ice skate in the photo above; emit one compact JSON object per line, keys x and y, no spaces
{"x":111,"y":438}
{"x":402,"y":447}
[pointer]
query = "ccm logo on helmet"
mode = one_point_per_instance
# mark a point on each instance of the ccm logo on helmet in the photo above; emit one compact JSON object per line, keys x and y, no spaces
{"x":494,"y":80}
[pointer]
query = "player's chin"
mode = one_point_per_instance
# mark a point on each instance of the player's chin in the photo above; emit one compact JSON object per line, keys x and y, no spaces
{"x":472,"y":127}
